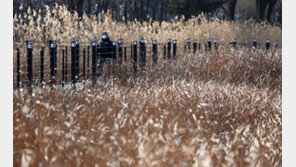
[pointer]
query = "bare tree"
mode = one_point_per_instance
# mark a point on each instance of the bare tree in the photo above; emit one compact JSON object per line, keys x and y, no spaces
{"x":262,"y":6}
{"x":270,"y":9}
{"x":80,"y":8}
{"x":232,"y":5}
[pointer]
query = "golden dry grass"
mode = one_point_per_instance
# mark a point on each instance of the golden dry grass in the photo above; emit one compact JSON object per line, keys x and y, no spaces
{"x":62,"y":26}
{"x":212,"y":108}
{"x":206,"y":109}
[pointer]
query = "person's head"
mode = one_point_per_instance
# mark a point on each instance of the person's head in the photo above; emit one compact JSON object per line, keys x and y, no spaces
{"x":105,"y":35}
{"x":97,"y":6}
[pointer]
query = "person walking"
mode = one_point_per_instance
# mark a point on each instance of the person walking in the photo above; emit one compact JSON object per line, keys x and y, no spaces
{"x":105,"y":52}
{"x":96,"y":11}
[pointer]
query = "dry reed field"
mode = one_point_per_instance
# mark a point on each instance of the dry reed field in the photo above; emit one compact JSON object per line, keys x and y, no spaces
{"x":62,"y":26}
{"x":206,"y":109}
{"x":211,"y":108}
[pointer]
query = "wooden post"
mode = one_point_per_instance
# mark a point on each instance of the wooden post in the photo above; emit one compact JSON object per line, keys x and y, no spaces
{"x":83,"y":70}
{"x":63,"y":68}
{"x":164,"y":51}
{"x":120,"y":45}
{"x":216,"y":44}
{"x":135,"y":56}
{"x":66,"y":65}
{"x":169,"y":48}
{"x":73,"y":61}
{"x":189,"y":44}
{"x":18,"y":64}
{"x":88,"y":52}
{"x":234,"y":42}
{"x":174,"y":49}
{"x":52,"y":63}
{"x":267,"y":44}
{"x":30,"y":62}
{"x":94,"y":59}
{"x":210,"y":43}
{"x":77,"y":72}
{"x":194,"y":46}
{"x":125,"y":60}
{"x":154,"y":49}
{"x":255,"y":43}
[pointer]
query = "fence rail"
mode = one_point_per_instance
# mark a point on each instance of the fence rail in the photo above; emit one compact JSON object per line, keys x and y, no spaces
{"x":60,"y":63}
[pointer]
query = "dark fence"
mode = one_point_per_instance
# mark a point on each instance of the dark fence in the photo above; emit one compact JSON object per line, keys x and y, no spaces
{"x":61,"y":63}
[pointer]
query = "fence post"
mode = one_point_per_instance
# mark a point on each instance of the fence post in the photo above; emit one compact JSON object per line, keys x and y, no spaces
{"x":18,"y":77}
{"x":189,"y":44}
{"x":120,"y":45}
{"x":29,"y":62}
{"x":55,"y":59}
{"x":154,"y":50}
{"x":88,"y":61}
{"x":66,"y":65}
{"x":135,"y":56}
{"x":42,"y":65}
{"x":50,"y":41}
{"x":169,"y":48}
{"x":216,"y":44}
{"x":174,"y":49}
{"x":255,"y":43}
{"x":114,"y":50}
{"x":267,"y":44}
{"x":132,"y":58}
{"x":164,"y":51}
{"x":234,"y":42}
{"x":144,"y":45}
{"x":77,"y":60}
{"x":142,"y":53}
{"x":63,"y":67}
{"x":83,"y":64}
{"x":94,"y":59}
{"x":52,"y":64}
{"x":73,"y":61}
{"x":194,"y":46}
{"x":125,"y":60}
{"x":275,"y":45}
{"x":210,"y":43}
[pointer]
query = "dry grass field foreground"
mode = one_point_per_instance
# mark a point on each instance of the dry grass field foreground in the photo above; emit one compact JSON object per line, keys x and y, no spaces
{"x":207,"y":109}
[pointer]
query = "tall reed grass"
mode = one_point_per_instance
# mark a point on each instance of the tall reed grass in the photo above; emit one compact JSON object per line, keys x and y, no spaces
{"x":62,"y":25}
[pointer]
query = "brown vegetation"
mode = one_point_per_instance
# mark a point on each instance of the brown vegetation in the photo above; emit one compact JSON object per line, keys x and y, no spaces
{"x":206,"y":109}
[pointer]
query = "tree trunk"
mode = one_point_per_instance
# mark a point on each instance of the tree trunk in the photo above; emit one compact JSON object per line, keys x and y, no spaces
{"x":232,"y":6}
{"x":270,"y":9}
{"x":154,"y":10}
{"x":161,"y":12}
{"x":261,"y":8}
{"x":89,"y":7}
{"x":125,"y":12}
{"x":135,"y":11}
{"x":71,"y":6}
{"x":80,"y":8}
{"x":147,"y":10}
{"x":141,"y":11}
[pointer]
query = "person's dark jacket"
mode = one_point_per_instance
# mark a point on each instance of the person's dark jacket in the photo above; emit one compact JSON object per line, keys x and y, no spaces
{"x":96,"y":12}
{"x":105,"y":48}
